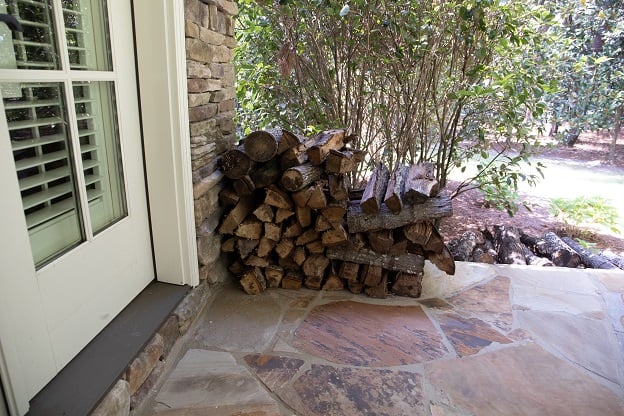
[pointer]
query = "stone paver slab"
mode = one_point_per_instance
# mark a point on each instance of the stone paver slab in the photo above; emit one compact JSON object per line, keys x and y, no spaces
{"x":329,"y":391}
{"x":488,"y":301}
{"x":274,"y":371}
{"x":550,"y":300}
{"x":369,"y":335}
{"x":468,"y":335}
{"x":588,"y":342}
{"x":212,"y":383}
{"x":523,"y":381}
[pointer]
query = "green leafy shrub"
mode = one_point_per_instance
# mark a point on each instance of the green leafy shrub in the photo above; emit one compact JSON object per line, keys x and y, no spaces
{"x":578,"y":213}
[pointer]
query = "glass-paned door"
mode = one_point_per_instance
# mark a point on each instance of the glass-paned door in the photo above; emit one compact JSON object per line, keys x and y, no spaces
{"x":70,"y":153}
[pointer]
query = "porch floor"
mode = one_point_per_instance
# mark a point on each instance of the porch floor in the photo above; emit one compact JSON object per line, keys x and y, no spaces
{"x":491,"y":340}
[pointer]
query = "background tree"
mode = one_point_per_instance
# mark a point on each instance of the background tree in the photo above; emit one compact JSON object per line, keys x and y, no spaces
{"x":439,"y":81}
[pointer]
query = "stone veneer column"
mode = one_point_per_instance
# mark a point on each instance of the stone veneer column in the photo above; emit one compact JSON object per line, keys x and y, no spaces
{"x":209,"y":26}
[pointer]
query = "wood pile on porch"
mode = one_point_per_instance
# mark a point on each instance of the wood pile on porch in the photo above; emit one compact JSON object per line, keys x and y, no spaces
{"x":292,"y":219}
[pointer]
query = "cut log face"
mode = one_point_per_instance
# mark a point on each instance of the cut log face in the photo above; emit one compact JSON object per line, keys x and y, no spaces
{"x":322,"y":223}
{"x":381,"y":241}
{"x":308,"y":236}
{"x":250,"y":229}
{"x":235,"y":163}
{"x":293,"y":229}
{"x":371,"y":275}
{"x":272,"y":231}
{"x":324,"y":142}
{"x":229,"y":245}
{"x":375,"y":190}
{"x":338,"y":187}
{"x":335,"y":236}
{"x":333,"y":283}
{"x":318,"y":199}
{"x":284,"y":248}
{"x":380,"y":291}
{"x":289,"y":141}
{"x":228,"y":197}
{"x":275,"y":197}
{"x":264,"y":213}
{"x":283,"y":214}
{"x":394,"y":191}
{"x":292,"y":280}
{"x":243,"y":186}
{"x":245,"y":247}
{"x":334,"y":212}
{"x":304,"y":216}
{"x":273,"y":275}
{"x":299,"y":255}
{"x":302,"y":197}
{"x":262,"y":145}
{"x":315,"y":247}
{"x":408,"y":285}
{"x":315,"y":266}
{"x":298,"y":177}
{"x":265,"y":247}
{"x":349,"y":271}
{"x":256,"y":261}
{"x":418,"y":233}
{"x":296,"y":156}
{"x":355,"y":286}
{"x":443,"y":261}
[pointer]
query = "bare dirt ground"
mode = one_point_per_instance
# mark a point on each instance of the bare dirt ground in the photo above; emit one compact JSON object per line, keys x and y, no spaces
{"x":470,"y":213}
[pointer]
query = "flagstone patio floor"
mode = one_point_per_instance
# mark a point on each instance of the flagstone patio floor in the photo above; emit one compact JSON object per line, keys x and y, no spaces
{"x":491,"y":340}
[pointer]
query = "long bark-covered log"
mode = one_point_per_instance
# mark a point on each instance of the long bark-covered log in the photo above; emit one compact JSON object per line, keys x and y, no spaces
{"x":298,"y":177}
{"x":589,"y":259}
{"x":359,"y":221}
{"x":324,"y":142}
{"x":375,"y":190}
{"x":533,"y":260}
{"x":552,"y":247}
{"x":508,"y":246}
{"x":394,"y":191}
{"x":235,"y":163}
{"x":618,"y":261}
{"x":409,"y":263}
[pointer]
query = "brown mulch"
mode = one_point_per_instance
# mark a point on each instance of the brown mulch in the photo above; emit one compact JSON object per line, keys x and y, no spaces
{"x":470,"y":213}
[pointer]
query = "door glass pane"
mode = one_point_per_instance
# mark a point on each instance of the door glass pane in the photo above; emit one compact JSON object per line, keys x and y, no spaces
{"x":86,"y":30}
{"x":36,"y":46}
{"x":43,"y":159}
{"x":101,"y":154}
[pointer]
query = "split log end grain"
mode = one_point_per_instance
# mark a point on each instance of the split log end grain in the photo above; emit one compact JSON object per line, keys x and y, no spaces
{"x":333,"y":283}
{"x":275,"y":197}
{"x":315,"y":247}
{"x":292,"y":280}
{"x":343,"y":161}
{"x":235,"y":163}
{"x":253,"y":281}
{"x":407,"y":284}
{"x":273,"y":275}
{"x":349,"y":271}
{"x":323,"y":143}
{"x":262,"y":146}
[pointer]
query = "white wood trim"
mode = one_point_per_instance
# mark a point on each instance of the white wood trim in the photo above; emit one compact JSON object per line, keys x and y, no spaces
{"x":161,"y":55}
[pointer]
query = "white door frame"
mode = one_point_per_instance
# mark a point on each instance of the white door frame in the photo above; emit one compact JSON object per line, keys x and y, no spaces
{"x":161,"y":56}
{"x":161,"y":63}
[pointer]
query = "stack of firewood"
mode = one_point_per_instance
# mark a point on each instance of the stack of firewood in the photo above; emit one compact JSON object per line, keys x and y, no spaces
{"x":392,"y":232}
{"x":287,"y":201}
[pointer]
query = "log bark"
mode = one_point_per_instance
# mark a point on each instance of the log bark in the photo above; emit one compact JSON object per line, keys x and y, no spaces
{"x":616,"y":260}
{"x":275,"y":197}
{"x":533,"y":260}
{"x":344,"y":161}
{"x":409,"y":263}
{"x":235,"y":163}
{"x":375,"y":190}
{"x":394,"y":191}
{"x":253,"y":281}
{"x":298,"y":177}
{"x":433,"y":208}
{"x":237,"y":214}
{"x":508,"y":245}
{"x":407,"y":284}
{"x":552,"y":247}
{"x":323,"y":143}
{"x":589,"y":259}
{"x":462,"y":248}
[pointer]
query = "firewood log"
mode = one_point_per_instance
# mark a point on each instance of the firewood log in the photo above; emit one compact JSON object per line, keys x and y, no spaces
{"x":334,"y":212}
{"x":381,"y":241}
{"x":589,"y":259}
{"x":237,"y":214}
{"x":273,"y":275}
{"x":407,"y":284}
{"x":313,"y":282}
{"x":264,"y":213}
{"x":302,"y":197}
{"x":420,"y":183}
{"x":343,"y":161}
{"x":407,"y":262}
{"x":315,"y":247}
{"x":243,"y":186}
{"x":322,"y":224}
{"x":237,"y":267}
{"x":264,"y":145}
{"x":283,"y":214}
{"x":275,"y":197}
{"x":245,"y":247}
{"x":315,"y":266}
{"x":434,"y":208}
{"x":371,"y":274}
{"x":235,"y":163}
{"x":287,"y":263}
{"x":272,"y":231}
{"x":323,"y":143}
{"x":533,"y":260}
{"x":266,"y":174}
{"x":508,"y":245}
{"x":617,"y":261}
{"x":284,"y":248}
{"x":333,"y":282}
{"x":265,"y":247}
{"x":375,"y":190}
{"x":229,"y":245}
{"x":228,"y":197}
{"x":335,"y":236}
{"x":297,"y":155}
{"x":256,"y":261}
{"x":394,"y":191}
{"x":293,"y":229}
{"x":318,"y":199}
{"x":443,"y":260}
{"x":299,"y":255}
{"x":292,"y":280}
{"x":419,"y":232}
{"x":250,"y":229}
{"x":349,"y":271}
{"x":304,"y":216}
{"x":338,"y":187}
{"x":253,"y":281}
{"x":308,"y":235}
{"x":355,"y":286}
{"x":298,"y":177}
{"x":552,"y":247}
{"x":381,"y":290}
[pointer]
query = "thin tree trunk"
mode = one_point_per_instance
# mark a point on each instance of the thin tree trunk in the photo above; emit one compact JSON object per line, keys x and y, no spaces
{"x":616,"y":132}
